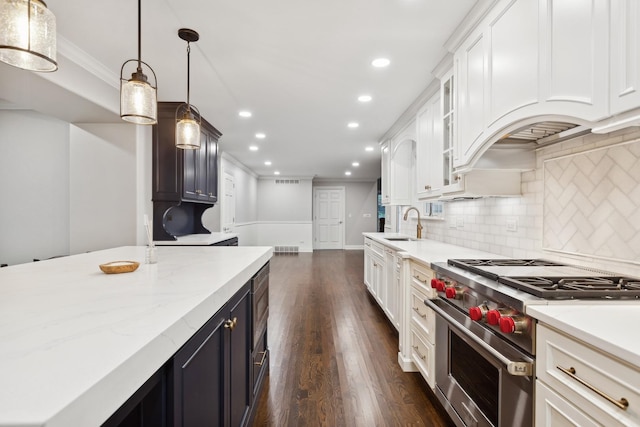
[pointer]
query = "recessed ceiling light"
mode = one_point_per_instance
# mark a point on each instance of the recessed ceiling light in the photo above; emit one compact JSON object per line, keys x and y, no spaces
{"x":364,"y":98}
{"x":245,"y":113}
{"x":353,"y":125}
{"x":355,"y":164}
{"x":276,"y":173}
{"x":267,"y":163}
{"x":260,"y":135}
{"x":368,"y":149}
{"x":347,"y":173}
{"x":380,"y":62}
{"x":253,"y":147}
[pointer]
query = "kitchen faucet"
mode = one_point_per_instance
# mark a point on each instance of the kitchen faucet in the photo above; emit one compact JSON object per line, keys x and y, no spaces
{"x":419,"y":227}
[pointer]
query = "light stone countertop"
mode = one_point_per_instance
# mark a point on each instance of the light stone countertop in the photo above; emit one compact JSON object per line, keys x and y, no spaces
{"x":429,"y":251}
{"x":76,"y":343}
{"x":197,"y":239}
{"x":611,"y":326}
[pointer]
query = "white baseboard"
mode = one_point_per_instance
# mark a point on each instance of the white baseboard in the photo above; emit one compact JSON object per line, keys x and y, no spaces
{"x":354,"y":247}
{"x":406,"y":364}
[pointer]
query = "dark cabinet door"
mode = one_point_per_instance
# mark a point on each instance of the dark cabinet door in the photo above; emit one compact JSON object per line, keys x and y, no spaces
{"x":240,"y":363}
{"x":199,"y":370}
{"x":212,"y":168}
{"x":189,"y":182}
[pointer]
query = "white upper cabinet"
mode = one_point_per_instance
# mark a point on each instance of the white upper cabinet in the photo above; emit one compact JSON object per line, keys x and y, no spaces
{"x":429,"y":149}
{"x":533,"y":59}
{"x":398,"y":164}
{"x":625,"y":58}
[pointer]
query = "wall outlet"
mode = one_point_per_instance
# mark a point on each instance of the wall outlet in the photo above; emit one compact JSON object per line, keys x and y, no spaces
{"x":512,"y":224}
{"x":459,"y":222}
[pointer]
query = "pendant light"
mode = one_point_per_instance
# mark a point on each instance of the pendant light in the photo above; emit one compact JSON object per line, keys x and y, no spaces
{"x":28,"y":35}
{"x":188,"y":123}
{"x":138,"y":97}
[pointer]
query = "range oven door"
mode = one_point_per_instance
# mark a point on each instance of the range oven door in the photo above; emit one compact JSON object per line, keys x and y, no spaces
{"x":481,"y":379}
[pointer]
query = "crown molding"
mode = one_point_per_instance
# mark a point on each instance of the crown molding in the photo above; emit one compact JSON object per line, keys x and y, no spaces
{"x":87,"y":62}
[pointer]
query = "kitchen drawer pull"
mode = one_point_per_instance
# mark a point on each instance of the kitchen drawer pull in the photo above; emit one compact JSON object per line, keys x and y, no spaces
{"x":264,"y":356}
{"x":424,"y":316}
{"x":421,"y":356}
{"x":417,"y":277}
{"x":622,"y":403}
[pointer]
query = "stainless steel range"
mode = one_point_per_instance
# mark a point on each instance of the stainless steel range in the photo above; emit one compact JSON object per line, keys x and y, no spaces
{"x":485,"y":357}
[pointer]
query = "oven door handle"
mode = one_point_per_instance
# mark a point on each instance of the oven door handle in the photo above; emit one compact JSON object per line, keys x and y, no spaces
{"x":521,"y":369}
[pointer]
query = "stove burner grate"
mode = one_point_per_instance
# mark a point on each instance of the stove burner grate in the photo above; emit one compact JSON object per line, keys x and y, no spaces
{"x":476,"y":265}
{"x":576,"y":287}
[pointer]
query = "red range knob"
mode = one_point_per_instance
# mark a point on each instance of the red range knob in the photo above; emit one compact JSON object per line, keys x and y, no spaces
{"x":507,"y":325}
{"x":493,"y":317}
{"x":440,"y":286}
{"x":434,"y":283}
{"x":475,"y":313}
{"x":451,"y":292}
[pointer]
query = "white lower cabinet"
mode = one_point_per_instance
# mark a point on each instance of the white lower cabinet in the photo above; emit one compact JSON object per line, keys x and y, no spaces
{"x":578,"y":385}
{"x":422,"y":322}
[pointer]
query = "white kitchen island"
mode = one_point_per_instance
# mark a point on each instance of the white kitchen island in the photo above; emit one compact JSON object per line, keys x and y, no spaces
{"x":77,"y":343}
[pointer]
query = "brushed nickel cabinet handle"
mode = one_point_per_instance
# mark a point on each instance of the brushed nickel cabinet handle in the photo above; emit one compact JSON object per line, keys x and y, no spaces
{"x":621,"y":403}
{"x":417,"y":310}
{"x":264,"y":356}
{"x":421,"y":356}
{"x":417,"y":277}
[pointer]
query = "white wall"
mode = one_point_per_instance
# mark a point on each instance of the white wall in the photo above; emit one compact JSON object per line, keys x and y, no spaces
{"x":482,"y":223}
{"x":34,"y":186}
{"x":102,"y":203}
{"x":285,"y":212}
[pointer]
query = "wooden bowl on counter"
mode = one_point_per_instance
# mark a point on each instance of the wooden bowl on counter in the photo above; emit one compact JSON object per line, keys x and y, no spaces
{"x":116,"y":267}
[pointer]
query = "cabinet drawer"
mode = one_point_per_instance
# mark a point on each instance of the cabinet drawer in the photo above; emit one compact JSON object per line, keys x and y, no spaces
{"x":591,"y":372}
{"x":423,"y":356}
{"x":374,"y":247}
{"x":421,"y":277}
{"x":552,"y":410}
{"x":260,"y":363}
{"x":422,"y":316}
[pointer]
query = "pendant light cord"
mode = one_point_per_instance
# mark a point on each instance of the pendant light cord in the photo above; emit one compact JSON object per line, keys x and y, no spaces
{"x":188,"y":74}
{"x":139,"y":36}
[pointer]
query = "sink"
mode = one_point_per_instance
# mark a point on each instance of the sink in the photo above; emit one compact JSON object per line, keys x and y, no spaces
{"x":399,"y":239}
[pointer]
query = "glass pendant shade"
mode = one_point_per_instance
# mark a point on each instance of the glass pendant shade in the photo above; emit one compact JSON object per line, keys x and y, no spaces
{"x":28,"y":35}
{"x":138,"y":98}
{"x":187,"y":128}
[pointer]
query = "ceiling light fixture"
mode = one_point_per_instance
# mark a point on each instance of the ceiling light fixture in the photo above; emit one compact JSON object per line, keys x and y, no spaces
{"x":353,"y":125}
{"x":267,"y":163}
{"x":28,"y":35}
{"x":368,"y":149}
{"x":138,"y":97}
{"x":355,"y":164}
{"x":380,"y":62}
{"x":347,"y":173}
{"x":260,"y":135}
{"x":276,"y":173}
{"x":253,"y":147}
{"x":365,"y":98}
{"x":188,"y":124}
{"x":245,"y":114}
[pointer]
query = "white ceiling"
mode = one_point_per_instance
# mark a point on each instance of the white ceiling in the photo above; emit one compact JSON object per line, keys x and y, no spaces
{"x":297,"y":65}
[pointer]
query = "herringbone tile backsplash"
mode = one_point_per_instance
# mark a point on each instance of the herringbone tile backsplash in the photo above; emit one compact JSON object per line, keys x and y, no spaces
{"x":592,"y":203}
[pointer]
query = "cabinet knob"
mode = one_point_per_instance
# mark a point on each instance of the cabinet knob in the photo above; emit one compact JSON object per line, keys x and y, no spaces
{"x":458,"y":177}
{"x":427,"y":187}
{"x":230,"y":324}
{"x":210,"y":194}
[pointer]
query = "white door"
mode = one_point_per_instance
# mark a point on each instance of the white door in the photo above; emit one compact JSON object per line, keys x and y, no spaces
{"x":328,"y":217}
{"x":229,"y":202}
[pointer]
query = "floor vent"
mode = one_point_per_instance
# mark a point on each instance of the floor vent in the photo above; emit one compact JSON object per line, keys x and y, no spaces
{"x":285,"y":250}
{"x":287,"y":181}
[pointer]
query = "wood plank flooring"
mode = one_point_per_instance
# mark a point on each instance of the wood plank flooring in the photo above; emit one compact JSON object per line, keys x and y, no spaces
{"x":334,"y":353}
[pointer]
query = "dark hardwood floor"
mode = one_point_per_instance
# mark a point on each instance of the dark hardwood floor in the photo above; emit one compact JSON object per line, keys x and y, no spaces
{"x":333,"y":351}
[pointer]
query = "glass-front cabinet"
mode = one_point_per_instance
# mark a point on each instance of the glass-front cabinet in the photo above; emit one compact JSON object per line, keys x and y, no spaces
{"x":451,"y":181}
